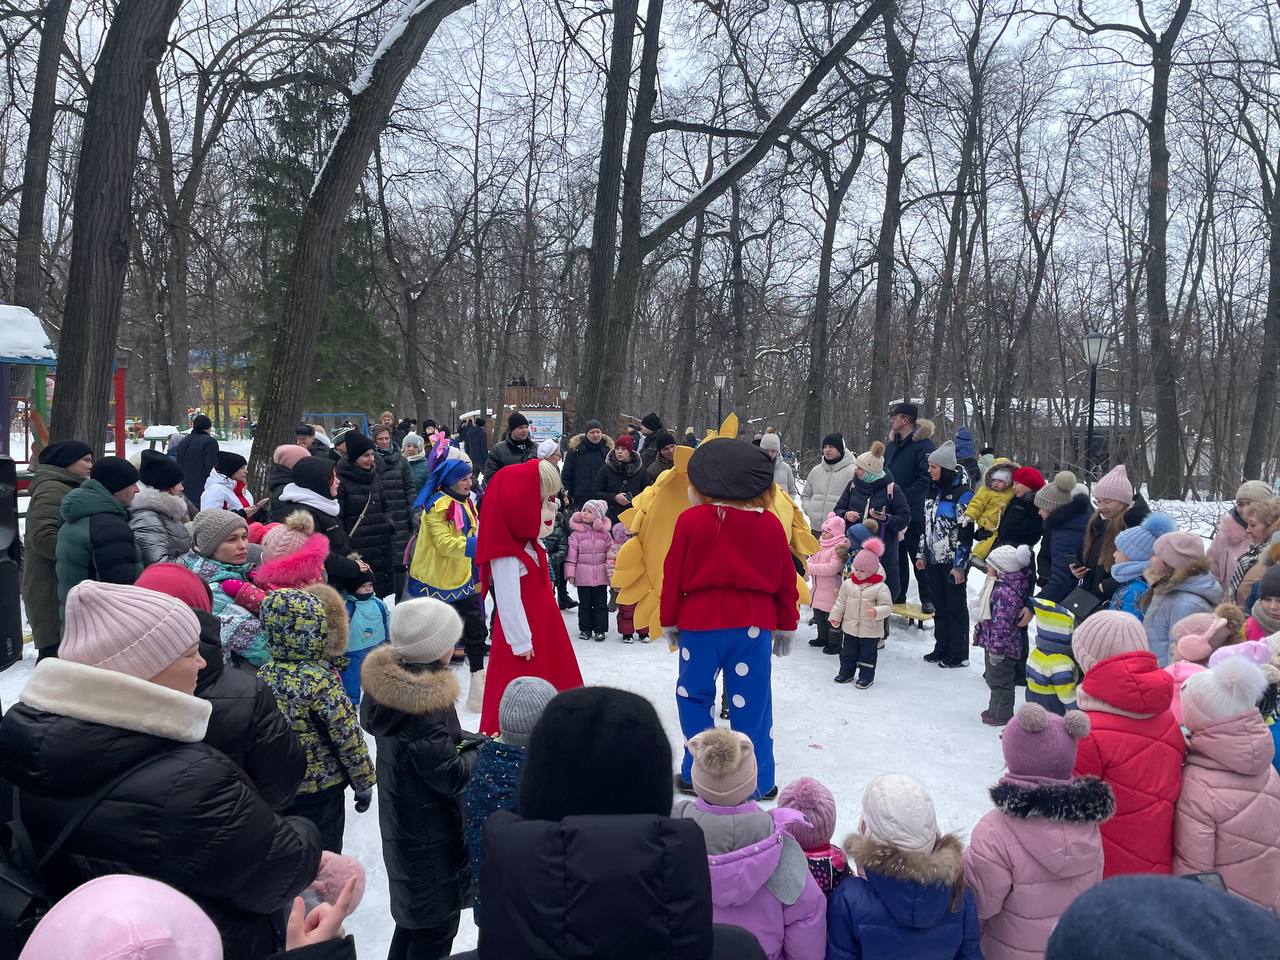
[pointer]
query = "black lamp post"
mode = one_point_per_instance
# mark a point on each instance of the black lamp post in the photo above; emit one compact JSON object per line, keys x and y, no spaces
{"x":1095,"y":346}
{"x":719,"y":378}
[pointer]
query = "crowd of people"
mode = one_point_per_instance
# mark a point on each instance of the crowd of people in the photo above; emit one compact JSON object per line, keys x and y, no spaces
{"x":211,"y":667}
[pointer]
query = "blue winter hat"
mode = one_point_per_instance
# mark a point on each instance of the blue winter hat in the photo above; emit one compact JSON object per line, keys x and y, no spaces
{"x":964,"y":443}
{"x":445,"y":475}
{"x":1139,"y":543}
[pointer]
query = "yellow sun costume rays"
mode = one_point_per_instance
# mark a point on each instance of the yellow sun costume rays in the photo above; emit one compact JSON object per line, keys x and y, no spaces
{"x":652,"y":518}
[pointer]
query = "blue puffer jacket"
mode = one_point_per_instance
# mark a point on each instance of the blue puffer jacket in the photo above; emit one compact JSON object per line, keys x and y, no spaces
{"x":887,"y":916}
{"x":1126,"y":598}
{"x":942,"y":542}
{"x":1172,"y":601}
{"x":1064,"y":529}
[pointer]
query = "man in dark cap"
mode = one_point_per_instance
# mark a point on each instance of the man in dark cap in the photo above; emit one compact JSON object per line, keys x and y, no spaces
{"x":197,"y":455}
{"x":517,"y":448}
{"x":63,"y":466}
{"x":95,"y":541}
{"x":649,"y":425}
{"x":306,"y":435}
{"x":906,"y":457}
{"x":729,"y":598}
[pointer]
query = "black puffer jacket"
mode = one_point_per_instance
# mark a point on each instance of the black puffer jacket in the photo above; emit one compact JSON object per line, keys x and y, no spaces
{"x":398,"y":494}
{"x":908,"y":460}
{"x":421,"y":782}
{"x":615,"y":478}
{"x":189,"y":817}
{"x":1019,"y":524}
{"x":196,"y":455}
{"x":885,"y":495}
{"x":246,"y":724}
{"x":279,"y":478}
{"x":360,"y":493}
{"x":507,"y":453}
{"x":1099,"y":578}
{"x":623,"y":887}
{"x":582,"y":463}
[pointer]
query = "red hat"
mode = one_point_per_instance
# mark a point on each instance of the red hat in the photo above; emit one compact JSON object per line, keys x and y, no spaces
{"x":1029,"y":477}
{"x":175,"y":580}
{"x":626,"y":442}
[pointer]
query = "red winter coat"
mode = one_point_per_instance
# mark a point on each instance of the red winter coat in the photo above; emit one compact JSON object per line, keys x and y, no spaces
{"x":1139,"y":756}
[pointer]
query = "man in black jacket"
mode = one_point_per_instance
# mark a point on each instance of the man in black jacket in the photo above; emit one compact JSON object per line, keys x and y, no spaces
{"x":474,"y":440}
{"x":517,"y":448}
{"x":651,"y":424}
{"x":197,"y":455}
{"x":906,"y":456}
{"x":582,"y":463}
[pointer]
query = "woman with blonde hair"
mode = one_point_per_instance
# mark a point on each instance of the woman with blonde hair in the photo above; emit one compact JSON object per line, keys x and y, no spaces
{"x":1262,"y":521}
{"x":1119,"y":507}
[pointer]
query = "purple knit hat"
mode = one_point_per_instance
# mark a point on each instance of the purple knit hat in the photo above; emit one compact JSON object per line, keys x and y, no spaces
{"x":819,"y":808}
{"x":1040,"y":746}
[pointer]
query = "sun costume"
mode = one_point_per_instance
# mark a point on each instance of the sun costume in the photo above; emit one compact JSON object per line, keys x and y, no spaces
{"x":519,"y":506}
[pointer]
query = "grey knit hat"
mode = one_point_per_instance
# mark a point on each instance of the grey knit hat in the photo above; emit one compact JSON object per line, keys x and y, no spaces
{"x":1058,"y":493}
{"x":424,"y":629}
{"x":944,"y":456}
{"x":521,"y":705}
{"x":211,"y":527}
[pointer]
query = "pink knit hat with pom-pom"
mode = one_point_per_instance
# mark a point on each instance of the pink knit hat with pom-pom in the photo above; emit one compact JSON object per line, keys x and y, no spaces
{"x":819,"y":808}
{"x":1040,"y":746}
{"x":867,"y":561}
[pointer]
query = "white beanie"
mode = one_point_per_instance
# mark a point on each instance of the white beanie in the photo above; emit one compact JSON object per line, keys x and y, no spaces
{"x":771,"y":441}
{"x":1228,"y":689}
{"x":896,"y":810}
{"x":424,"y":629}
{"x":547,"y":447}
{"x":412,"y":438}
{"x":1009,"y":559}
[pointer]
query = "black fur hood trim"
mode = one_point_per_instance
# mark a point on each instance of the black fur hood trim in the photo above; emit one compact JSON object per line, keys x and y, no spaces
{"x":1082,"y":800}
{"x":1080,"y":504}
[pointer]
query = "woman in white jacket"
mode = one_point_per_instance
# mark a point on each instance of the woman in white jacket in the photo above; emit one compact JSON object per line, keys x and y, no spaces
{"x":827,"y":481}
{"x":225,"y":489}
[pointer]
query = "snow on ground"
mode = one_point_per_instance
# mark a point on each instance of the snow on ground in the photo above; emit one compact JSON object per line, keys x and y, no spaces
{"x":918,"y":719}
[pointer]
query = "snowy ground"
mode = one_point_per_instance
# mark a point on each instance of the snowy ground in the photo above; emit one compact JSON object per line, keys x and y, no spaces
{"x":917,"y":719}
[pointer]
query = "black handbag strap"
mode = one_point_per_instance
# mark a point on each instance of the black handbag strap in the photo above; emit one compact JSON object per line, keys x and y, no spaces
{"x":22,"y":839}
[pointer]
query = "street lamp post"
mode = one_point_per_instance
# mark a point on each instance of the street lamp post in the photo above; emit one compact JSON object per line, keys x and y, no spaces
{"x":453,"y":420}
{"x":1095,"y":346}
{"x":719,"y":378}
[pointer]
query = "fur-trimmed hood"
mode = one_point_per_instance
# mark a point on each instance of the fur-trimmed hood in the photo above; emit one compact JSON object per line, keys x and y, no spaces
{"x":393,"y":684}
{"x":175,"y":508}
{"x":1079,"y":504}
{"x":1081,"y":800}
{"x":916,"y":888}
{"x":1194,"y":578}
{"x":295,"y":569}
{"x":628,"y":469}
{"x":924,"y":430}
{"x":579,"y":439}
{"x":300,"y":628}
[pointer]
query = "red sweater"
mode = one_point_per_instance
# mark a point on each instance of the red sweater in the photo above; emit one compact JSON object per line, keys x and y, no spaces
{"x":729,"y":568}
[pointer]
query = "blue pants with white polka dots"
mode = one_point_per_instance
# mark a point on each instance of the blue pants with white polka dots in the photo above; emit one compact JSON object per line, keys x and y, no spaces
{"x":743,"y":655}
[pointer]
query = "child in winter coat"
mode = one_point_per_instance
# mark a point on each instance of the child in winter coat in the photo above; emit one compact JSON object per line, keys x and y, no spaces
{"x":862,"y":605}
{"x":824,"y":570}
{"x":1052,"y":672}
{"x":1041,"y":846}
{"x":1195,"y":640}
{"x":305,"y":630}
{"x":370,"y":626}
{"x":1266,"y":654}
{"x":1181,"y":585}
{"x":556,"y":543}
{"x":760,"y":879}
{"x":495,"y":779}
{"x":586,"y":567}
{"x":908,"y":898}
{"x":409,"y":707}
{"x":1135,"y":546}
{"x":996,"y":611}
{"x":827,"y":862}
{"x":626,"y":611}
{"x":1134,"y":743}
{"x":1230,"y":801}
{"x":988,"y":505}
{"x":220,"y":557}
{"x":1264,"y":619}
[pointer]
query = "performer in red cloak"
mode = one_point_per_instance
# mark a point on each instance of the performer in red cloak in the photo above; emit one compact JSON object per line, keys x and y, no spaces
{"x":529,"y":636}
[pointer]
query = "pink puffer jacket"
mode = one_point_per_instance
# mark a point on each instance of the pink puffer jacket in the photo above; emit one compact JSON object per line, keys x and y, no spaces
{"x":825,"y":567}
{"x":588,"y":562}
{"x":1229,"y":809}
{"x":1229,"y":542}
{"x":1029,"y":858}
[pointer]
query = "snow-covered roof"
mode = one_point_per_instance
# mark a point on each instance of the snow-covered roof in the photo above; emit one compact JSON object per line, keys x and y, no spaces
{"x":22,"y":339}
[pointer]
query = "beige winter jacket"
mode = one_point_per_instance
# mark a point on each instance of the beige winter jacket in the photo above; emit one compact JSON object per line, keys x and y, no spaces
{"x":860,"y":610}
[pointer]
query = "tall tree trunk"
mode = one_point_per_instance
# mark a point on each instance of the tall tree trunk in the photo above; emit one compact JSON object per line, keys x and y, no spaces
{"x":896,"y":57}
{"x":293,"y":350}
{"x":741,"y":393}
{"x":35,"y":165}
{"x":686,"y":340}
{"x":1264,"y":399}
{"x":100,"y":241}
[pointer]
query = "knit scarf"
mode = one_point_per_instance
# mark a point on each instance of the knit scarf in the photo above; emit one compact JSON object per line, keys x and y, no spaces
{"x":1268,"y":624}
{"x":1243,"y":566}
{"x":831,"y":543}
{"x":1128,"y":571}
{"x":874,"y":578}
{"x":981,"y":608}
{"x":420,"y":455}
{"x":870,"y":477}
{"x":238,"y":487}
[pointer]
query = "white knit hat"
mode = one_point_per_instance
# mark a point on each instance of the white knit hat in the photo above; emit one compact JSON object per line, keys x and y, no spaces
{"x":547,"y":447}
{"x":126,"y":629}
{"x":1232,"y":687}
{"x":1009,"y":559}
{"x":424,"y":629}
{"x":898,"y":811}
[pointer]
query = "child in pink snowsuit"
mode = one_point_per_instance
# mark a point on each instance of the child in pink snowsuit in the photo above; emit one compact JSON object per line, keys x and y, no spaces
{"x":1041,"y":847}
{"x":626,"y":611}
{"x":760,"y":879}
{"x":824,"y":570}
{"x":587,"y":567}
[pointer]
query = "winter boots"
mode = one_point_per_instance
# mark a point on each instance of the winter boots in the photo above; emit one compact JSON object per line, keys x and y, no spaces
{"x":475,"y":693}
